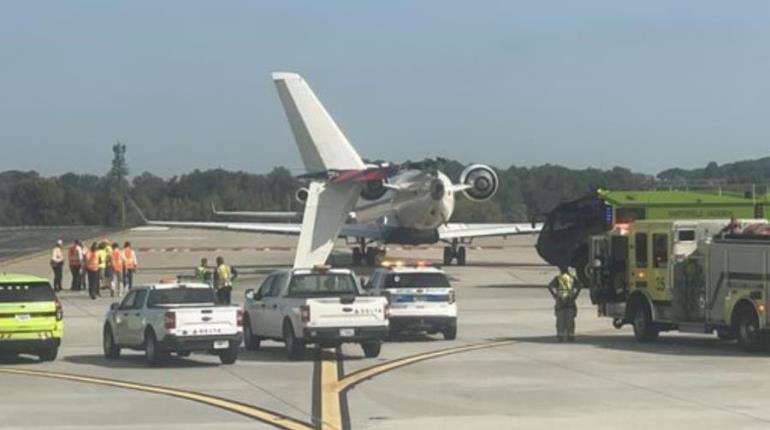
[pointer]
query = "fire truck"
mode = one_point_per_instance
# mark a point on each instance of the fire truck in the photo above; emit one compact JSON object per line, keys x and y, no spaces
{"x":685,"y":275}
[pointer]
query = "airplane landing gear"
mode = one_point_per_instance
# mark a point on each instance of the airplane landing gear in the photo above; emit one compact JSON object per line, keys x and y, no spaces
{"x":454,"y":252}
{"x":365,"y":254}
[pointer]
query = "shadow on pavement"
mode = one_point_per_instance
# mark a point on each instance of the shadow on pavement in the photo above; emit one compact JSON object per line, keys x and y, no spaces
{"x":133,"y":361}
{"x":513,"y":286}
{"x":277,"y":354}
{"x":15,"y":360}
{"x":412,"y":337}
{"x":670,"y":345}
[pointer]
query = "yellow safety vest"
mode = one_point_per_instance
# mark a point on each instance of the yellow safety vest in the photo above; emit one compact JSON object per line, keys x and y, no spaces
{"x":102,"y":253}
{"x":566,"y":283}
{"x":224,"y":276}
{"x":200,"y":272}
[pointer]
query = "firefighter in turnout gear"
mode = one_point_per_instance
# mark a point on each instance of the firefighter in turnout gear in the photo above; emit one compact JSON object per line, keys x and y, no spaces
{"x":565,"y":291}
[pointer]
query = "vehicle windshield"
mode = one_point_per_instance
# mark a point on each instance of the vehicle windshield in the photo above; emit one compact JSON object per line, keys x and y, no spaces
{"x":331,"y":284}
{"x":12,"y":292}
{"x":181,"y":296}
{"x":416,"y":280}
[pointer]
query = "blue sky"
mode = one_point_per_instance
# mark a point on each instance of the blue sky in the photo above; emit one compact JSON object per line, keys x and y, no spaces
{"x":185,"y":84}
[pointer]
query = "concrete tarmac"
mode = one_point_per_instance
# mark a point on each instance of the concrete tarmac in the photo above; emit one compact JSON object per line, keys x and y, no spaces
{"x":504,"y":370}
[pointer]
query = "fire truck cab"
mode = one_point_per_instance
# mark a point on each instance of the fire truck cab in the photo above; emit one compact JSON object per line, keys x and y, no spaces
{"x":684,"y":275}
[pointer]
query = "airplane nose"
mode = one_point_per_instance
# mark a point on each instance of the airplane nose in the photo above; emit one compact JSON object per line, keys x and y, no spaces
{"x":437,"y":189}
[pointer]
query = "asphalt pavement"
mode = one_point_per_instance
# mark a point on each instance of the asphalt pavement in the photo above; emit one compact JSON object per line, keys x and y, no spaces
{"x":504,"y":371}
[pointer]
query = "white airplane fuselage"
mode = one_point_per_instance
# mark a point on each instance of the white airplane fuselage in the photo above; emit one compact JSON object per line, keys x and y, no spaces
{"x":414,"y":200}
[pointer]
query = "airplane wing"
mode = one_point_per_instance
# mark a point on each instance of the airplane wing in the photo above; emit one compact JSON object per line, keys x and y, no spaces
{"x":469,"y":231}
{"x":265,"y":215}
{"x":368,"y":231}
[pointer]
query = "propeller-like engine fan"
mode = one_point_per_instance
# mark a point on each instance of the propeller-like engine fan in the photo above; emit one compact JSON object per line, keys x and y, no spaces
{"x":481,"y":180}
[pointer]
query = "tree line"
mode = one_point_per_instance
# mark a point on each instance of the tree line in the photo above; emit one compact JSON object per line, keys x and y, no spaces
{"x":525,"y":194}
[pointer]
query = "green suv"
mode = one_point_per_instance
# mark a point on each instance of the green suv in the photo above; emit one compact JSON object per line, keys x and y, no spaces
{"x":30,"y":316}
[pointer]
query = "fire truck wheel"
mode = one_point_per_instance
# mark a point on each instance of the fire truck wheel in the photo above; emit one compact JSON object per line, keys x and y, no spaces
{"x":644,"y":328}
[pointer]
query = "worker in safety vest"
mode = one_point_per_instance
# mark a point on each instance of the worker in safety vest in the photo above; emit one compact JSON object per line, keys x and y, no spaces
{"x":223,"y":282}
{"x":130,"y":264}
{"x":92,"y":270}
{"x":202,"y":272}
{"x":57,"y":264}
{"x":116,"y":258}
{"x":75,"y":260}
{"x":564,"y":290}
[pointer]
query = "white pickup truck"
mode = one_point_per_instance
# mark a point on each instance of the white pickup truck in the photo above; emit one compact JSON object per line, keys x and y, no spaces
{"x":314,"y":306}
{"x":173,"y":317}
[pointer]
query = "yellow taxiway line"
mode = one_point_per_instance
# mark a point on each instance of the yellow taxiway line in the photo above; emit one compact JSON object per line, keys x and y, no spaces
{"x":359,"y":376}
{"x":333,"y":388}
{"x":259,"y":414}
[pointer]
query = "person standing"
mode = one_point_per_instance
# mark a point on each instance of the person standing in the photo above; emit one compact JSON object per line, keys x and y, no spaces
{"x":57,"y":264}
{"x":75,"y":260}
{"x":129,"y":266}
{"x":223,"y":284}
{"x":202,"y":272}
{"x":565,"y":292}
{"x":92,"y":269}
{"x":117,"y":271}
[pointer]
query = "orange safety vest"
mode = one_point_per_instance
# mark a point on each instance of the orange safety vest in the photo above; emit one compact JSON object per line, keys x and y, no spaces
{"x":129,"y":259}
{"x":117,"y":261}
{"x":92,"y":261}
{"x":74,"y":256}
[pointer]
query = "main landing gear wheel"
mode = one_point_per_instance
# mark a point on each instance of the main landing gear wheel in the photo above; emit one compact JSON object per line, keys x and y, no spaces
{"x":454,"y":253}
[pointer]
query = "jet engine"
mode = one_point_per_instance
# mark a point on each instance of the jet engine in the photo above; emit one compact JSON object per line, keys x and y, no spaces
{"x":483,"y":182}
{"x":301,"y":195}
{"x":373,"y":190}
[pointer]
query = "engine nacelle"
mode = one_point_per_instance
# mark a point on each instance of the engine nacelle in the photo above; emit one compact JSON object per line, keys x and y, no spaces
{"x":483,"y":181}
{"x":373,"y":190}
{"x":301,"y":195}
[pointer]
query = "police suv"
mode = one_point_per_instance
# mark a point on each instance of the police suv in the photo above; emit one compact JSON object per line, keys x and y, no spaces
{"x":173,"y":317}
{"x":421,"y":298}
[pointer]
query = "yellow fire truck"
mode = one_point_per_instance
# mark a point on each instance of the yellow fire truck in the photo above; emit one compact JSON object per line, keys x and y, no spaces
{"x":690,"y":276}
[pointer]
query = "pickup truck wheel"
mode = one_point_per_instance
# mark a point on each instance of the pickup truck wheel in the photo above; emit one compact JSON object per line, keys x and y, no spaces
{"x":450,"y":332}
{"x":371,"y":349}
{"x":250,"y":341}
{"x":294,"y":347}
{"x":152,"y":353}
{"x":230,"y":355}
{"x":748,"y":329}
{"x":48,"y":354}
{"x":111,"y":350}
{"x":644,"y":328}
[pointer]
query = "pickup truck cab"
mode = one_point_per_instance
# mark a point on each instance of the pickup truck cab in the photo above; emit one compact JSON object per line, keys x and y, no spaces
{"x":31,"y":317}
{"x":420,"y":296}
{"x":173,"y":317}
{"x":314,"y":306}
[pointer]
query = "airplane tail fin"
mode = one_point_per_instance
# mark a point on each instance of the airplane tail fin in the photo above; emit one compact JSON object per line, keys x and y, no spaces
{"x":321,"y":143}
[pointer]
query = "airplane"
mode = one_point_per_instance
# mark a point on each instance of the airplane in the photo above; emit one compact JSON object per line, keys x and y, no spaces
{"x":365,"y":203}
